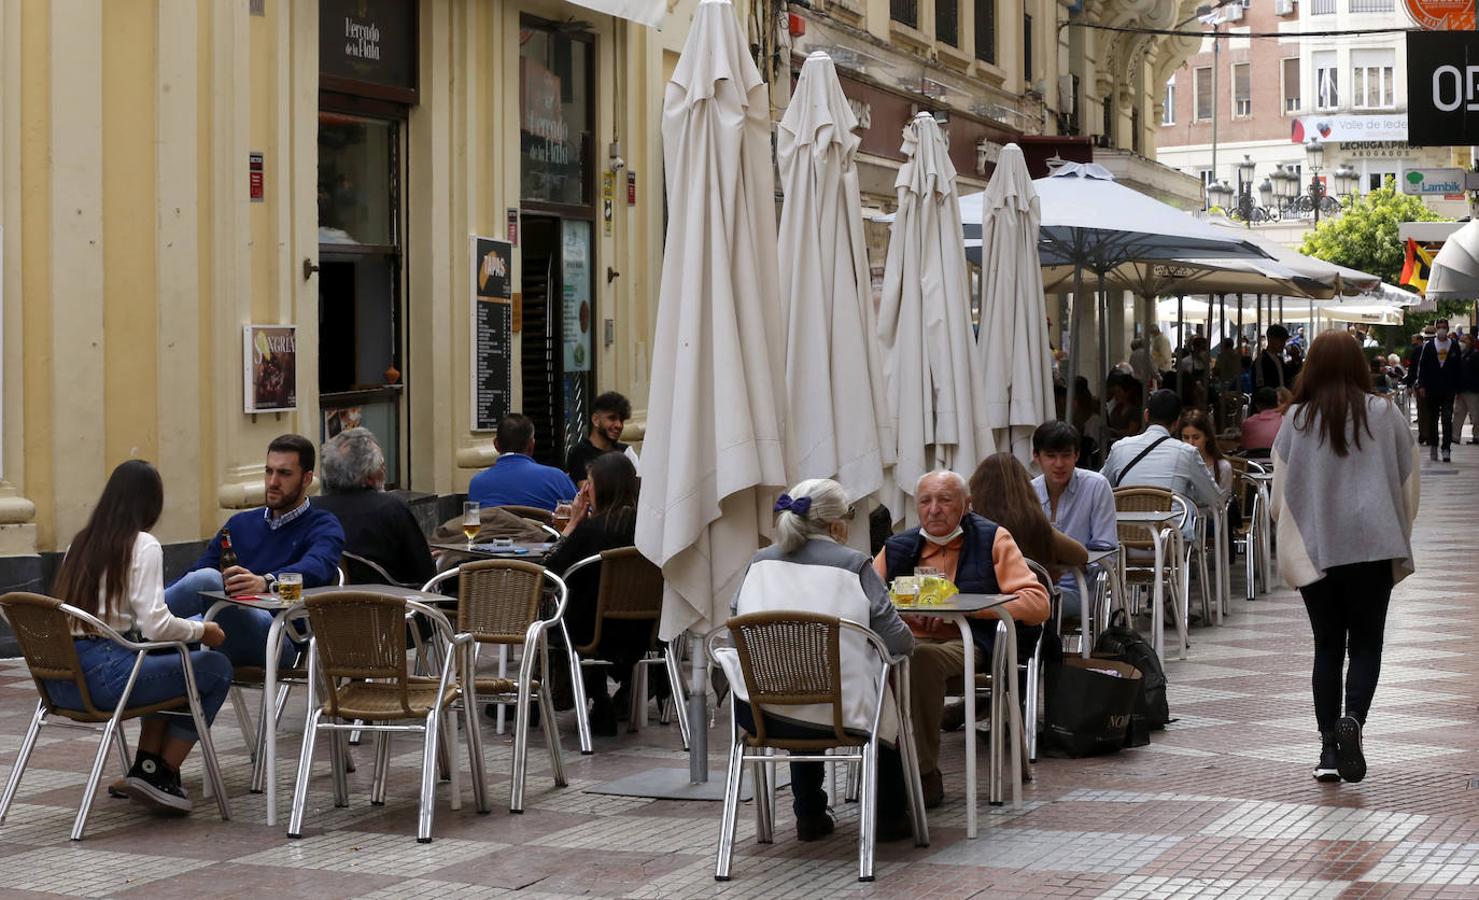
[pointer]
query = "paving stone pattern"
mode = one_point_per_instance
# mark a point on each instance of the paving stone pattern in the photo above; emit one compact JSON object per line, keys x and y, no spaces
{"x":1220,"y":805}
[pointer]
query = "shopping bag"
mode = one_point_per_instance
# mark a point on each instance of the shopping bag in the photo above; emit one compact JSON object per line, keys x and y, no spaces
{"x":1089,"y":705}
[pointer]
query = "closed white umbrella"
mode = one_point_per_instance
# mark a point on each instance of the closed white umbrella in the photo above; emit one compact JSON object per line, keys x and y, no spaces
{"x":838,"y":423}
{"x":1455,"y":274}
{"x":924,"y":322}
{"x":1012,"y":344}
{"x":712,"y":453}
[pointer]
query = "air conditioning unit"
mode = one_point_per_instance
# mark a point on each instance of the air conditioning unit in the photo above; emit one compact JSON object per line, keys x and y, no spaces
{"x":1233,"y":12}
{"x":1283,"y":7}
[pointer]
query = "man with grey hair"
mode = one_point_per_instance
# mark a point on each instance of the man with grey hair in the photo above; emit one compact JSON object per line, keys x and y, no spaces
{"x":378,"y":526}
{"x":980,"y":557}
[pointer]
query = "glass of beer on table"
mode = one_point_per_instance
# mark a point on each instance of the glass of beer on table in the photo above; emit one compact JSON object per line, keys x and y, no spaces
{"x":290,"y":586}
{"x":563,"y":511}
{"x":472,"y":520}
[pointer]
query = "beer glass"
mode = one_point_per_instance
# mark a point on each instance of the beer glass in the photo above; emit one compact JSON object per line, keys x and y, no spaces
{"x":290,"y":586}
{"x":472,"y":520}
{"x":563,"y":512}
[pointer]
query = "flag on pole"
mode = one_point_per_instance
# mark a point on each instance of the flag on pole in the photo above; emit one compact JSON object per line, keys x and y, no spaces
{"x":1416,"y":267}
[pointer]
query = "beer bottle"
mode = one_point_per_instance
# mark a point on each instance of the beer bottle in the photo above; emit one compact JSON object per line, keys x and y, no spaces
{"x":228,"y":555}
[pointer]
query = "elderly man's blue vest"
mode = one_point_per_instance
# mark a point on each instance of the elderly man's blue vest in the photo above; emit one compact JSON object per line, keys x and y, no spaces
{"x":975,"y":573}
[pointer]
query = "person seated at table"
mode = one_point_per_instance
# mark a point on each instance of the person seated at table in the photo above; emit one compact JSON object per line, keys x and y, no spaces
{"x":1260,"y":429}
{"x":980,"y":557}
{"x":1078,"y":502}
{"x":603,"y":517}
{"x":377,"y":526}
{"x":1196,"y":430}
{"x":515,"y":479}
{"x":114,"y":569}
{"x":809,"y":568}
{"x":609,"y":415}
{"x":1156,"y":459}
{"x":288,"y":534}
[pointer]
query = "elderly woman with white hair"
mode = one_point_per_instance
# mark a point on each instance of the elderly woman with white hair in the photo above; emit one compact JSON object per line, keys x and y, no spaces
{"x":377,"y":526}
{"x":809,"y":568}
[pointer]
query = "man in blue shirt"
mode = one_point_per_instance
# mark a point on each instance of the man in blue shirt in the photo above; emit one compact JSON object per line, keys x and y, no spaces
{"x":515,"y":479}
{"x":1079,"y":502}
{"x":287,"y":535}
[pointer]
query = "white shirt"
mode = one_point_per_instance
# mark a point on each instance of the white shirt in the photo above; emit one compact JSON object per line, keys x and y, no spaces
{"x":1174,"y":465}
{"x":143,"y":600}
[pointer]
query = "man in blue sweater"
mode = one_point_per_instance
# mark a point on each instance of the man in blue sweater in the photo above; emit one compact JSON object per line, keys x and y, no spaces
{"x":287,"y":535}
{"x":515,"y":479}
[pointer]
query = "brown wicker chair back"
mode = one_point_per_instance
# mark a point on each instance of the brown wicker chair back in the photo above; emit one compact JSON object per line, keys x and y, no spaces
{"x":498,"y":599}
{"x":630,"y":590}
{"x":1140,"y":499}
{"x":792,"y":659}
{"x":45,"y":637}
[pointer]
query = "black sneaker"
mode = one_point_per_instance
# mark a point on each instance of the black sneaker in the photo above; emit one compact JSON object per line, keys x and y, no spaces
{"x":1447,"y":456}
{"x":1329,"y":768}
{"x":1351,"y":762}
{"x":814,"y":828}
{"x":157,"y":786}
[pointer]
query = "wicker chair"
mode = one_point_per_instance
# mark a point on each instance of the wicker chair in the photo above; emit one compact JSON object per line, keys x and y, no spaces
{"x":630,"y":590}
{"x":358,"y":658}
{"x":42,"y":627}
{"x":1136,"y":562}
{"x":794,"y":659}
{"x":499,"y":605}
{"x":1251,"y":534}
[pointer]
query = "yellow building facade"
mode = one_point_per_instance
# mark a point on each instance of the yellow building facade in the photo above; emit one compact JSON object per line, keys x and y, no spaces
{"x":172,"y":171}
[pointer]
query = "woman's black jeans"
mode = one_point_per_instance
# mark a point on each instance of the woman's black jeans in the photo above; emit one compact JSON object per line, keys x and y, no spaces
{"x":1348,"y":613}
{"x":808,"y":796}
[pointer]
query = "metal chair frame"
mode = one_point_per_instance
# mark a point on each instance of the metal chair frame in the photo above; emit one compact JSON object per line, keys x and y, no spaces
{"x":668,"y":658}
{"x":535,"y":645}
{"x":435,"y":726}
{"x":1175,"y":567}
{"x":112,"y":729}
{"x":893,"y":687}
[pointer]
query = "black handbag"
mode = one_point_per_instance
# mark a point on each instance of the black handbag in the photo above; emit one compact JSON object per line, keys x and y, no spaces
{"x":1090,"y":704}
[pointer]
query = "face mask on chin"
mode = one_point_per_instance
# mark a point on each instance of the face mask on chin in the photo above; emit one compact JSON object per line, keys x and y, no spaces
{"x":942,"y":540}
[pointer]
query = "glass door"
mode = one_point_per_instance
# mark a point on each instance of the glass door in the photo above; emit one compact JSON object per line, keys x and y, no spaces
{"x":360,"y":375}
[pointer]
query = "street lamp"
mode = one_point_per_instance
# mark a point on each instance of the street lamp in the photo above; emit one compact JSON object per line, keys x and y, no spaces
{"x":1314,"y":157}
{"x":1346,"y":180}
{"x":1220,"y":195}
{"x":1244,"y":206}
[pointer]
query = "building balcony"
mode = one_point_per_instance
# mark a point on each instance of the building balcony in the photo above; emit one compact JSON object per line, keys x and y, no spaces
{"x":1152,"y":178}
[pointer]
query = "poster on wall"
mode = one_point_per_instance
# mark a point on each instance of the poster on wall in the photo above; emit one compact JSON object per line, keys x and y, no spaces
{"x":270,"y":368}
{"x":576,"y":284}
{"x":492,"y":331}
{"x":342,"y":419}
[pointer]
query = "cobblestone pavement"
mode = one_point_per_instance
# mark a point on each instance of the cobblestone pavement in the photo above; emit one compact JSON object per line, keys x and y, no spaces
{"x":1220,"y":804}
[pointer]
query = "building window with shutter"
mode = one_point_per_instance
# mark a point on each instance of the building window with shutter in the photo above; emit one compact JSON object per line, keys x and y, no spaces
{"x":1202,"y":79}
{"x":947,"y":22}
{"x":986,"y":31}
{"x":1371,"y":79}
{"x":1169,"y":116}
{"x":1242,"y":90}
{"x":1327,"y":84}
{"x":1027,"y":68}
{"x":905,"y":12}
{"x":1292,"y":100}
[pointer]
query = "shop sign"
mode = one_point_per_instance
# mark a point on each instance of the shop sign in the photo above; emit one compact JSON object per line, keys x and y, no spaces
{"x":1375,"y":149}
{"x":631,"y":188}
{"x":1443,"y":88}
{"x":492,"y":332}
{"x":513,"y":227}
{"x":1348,"y":128}
{"x":369,"y":47}
{"x":1433,"y":182}
{"x":1442,"y":15}
{"x":269,"y":356}
{"x":575,"y":282}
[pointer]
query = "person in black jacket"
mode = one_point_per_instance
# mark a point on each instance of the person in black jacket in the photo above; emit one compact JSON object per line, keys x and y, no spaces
{"x":1438,"y":373}
{"x":377,"y":526}
{"x":603,"y":517}
{"x":1467,"y":404}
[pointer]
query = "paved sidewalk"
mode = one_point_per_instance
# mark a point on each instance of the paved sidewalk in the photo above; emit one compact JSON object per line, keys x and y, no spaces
{"x":1220,"y":804}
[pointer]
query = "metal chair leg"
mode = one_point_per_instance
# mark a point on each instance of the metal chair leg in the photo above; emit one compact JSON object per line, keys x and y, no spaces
{"x":305,"y":760}
{"x":337,"y":749}
{"x":868,"y":819}
{"x":854,"y":781}
{"x":1033,"y":699}
{"x":382,"y":768}
{"x":764,"y":824}
{"x":120,"y":741}
{"x":448,"y":751}
{"x":551,"y":736}
{"x":245,"y":721}
{"x":577,"y":687}
{"x":673,"y":666}
{"x":23,"y":757}
{"x":732,"y":783}
{"x":428,"y":777}
{"x":521,"y":743}
{"x":89,"y":790}
{"x":909,"y":756}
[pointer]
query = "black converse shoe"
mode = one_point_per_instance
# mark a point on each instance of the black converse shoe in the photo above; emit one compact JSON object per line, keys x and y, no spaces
{"x":153,"y":783}
{"x":1351,"y":761}
{"x":1329,"y":767}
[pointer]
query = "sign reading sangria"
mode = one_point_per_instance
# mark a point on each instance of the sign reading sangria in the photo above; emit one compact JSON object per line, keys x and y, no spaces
{"x":270,"y":363}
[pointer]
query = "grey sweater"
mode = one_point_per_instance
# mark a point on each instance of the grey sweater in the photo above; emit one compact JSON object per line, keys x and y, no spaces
{"x":1334,"y":511}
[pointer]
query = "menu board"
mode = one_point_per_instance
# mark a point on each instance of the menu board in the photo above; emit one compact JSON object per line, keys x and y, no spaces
{"x":492,"y":332}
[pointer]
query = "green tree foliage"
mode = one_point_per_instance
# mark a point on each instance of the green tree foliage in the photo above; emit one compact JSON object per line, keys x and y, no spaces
{"x":1364,"y":236}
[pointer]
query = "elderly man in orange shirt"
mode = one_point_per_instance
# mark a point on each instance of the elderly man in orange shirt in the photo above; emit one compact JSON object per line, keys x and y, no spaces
{"x":980,"y":557}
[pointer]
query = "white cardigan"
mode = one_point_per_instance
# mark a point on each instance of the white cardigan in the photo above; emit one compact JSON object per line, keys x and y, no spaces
{"x":144,"y":607}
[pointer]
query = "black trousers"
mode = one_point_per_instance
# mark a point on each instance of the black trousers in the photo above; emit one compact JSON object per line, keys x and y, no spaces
{"x":1348,"y":614}
{"x":808,"y":796}
{"x":1424,"y":425}
{"x":1439,"y":411}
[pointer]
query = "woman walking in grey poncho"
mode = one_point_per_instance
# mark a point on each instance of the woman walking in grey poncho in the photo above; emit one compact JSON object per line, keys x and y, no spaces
{"x":1345,"y":496}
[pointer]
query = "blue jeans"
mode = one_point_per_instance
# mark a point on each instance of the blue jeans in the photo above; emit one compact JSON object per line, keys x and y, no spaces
{"x":246,"y":628}
{"x":106,"y":667}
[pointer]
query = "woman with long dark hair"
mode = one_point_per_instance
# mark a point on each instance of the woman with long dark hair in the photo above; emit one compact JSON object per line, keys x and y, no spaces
{"x":603,"y":517}
{"x":114,"y":569}
{"x":1001,"y":490}
{"x":1197,"y":430}
{"x":1345,"y":495}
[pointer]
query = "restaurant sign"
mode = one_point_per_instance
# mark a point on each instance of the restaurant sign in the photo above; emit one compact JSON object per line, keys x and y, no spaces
{"x":1433,"y":182}
{"x":368,"y":47}
{"x":1303,"y":129}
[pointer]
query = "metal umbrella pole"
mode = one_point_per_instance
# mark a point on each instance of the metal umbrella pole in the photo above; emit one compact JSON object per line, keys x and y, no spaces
{"x":1075,"y":323}
{"x":1180,"y":338}
{"x":1240,"y":319}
